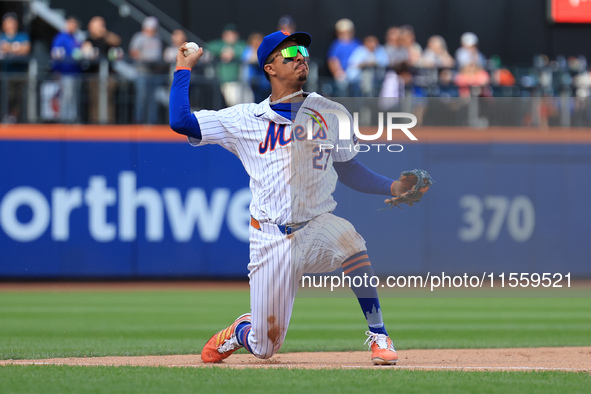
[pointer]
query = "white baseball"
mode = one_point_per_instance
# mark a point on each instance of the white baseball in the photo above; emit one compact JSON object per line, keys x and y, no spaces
{"x":191,"y":48}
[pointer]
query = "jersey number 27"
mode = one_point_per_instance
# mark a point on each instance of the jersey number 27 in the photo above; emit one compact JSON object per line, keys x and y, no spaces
{"x":322,"y":156}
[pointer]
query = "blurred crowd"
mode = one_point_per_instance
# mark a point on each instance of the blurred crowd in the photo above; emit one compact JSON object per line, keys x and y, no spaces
{"x":87,"y":67}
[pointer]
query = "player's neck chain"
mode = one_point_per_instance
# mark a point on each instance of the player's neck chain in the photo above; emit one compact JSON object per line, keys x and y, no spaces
{"x":301,"y":91}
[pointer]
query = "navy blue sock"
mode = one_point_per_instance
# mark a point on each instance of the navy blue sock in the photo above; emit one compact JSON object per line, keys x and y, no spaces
{"x":358,"y":267}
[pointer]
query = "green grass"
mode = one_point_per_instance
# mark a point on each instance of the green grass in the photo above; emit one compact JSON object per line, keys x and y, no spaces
{"x":62,"y":379}
{"x":99,"y":323}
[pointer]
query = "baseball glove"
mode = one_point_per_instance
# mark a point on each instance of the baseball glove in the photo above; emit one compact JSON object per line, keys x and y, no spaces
{"x":416,"y":183}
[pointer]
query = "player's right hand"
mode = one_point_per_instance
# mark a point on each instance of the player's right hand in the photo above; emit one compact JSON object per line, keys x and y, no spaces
{"x":189,"y":61}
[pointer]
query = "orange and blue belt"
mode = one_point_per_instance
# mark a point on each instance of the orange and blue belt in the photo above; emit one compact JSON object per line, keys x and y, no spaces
{"x":285,"y":229}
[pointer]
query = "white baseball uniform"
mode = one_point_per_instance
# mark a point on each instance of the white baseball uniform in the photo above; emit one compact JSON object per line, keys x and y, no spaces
{"x":292,"y":180}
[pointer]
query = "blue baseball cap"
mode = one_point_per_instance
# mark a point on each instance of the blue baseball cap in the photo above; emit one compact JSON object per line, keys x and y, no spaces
{"x":273,"y":40}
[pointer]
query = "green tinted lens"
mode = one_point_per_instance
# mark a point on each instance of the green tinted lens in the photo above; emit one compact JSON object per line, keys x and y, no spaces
{"x":289,"y":51}
{"x":303,"y":51}
{"x":293,"y":51}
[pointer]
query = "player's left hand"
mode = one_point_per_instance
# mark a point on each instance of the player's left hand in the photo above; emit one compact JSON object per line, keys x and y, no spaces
{"x":188,"y":61}
{"x":410,"y":188}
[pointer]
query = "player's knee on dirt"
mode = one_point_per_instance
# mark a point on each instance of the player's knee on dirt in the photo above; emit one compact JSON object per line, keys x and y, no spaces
{"x":269,"y":344}
{"x":265,"y":339}
{"x":266,"y":351}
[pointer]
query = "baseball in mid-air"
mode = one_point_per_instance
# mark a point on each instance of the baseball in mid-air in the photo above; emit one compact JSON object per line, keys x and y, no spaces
{"x":191,"y":48}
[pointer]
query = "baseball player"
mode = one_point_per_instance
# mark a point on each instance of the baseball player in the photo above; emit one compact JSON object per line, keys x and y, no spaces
{"x":293,"y":174}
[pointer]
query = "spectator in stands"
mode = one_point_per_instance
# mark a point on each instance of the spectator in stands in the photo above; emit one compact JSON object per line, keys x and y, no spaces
{"x":228,"y":53}
{"x":146,"y":49}
{"x":66,"y":55}
{"x":366,"y":66}
{"x":393,"y":87}
{"x":398,"y":85}
{"x":436,"y":54}
{"x":472,"y":80}
{"x":468,"y":53}
{"x":100,"y":45}
{"x":404,"y":53}
{"x":100,"y":38}
{"x":503,"y":77}
{"x":339,"y":52}
{"x":65,"y":48}
{"x":12,"y":42}
{"x":177,"y":38}
{"x":14,"y":47}
{"x":286,"y":23}
{"x":408,"y":41}
{"x":447,"y":87}
{"x":252,"y":73}
{"x":397,"y":53}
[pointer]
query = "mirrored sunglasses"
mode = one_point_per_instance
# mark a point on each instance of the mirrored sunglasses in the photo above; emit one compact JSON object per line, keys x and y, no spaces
{"x":293,"y":51}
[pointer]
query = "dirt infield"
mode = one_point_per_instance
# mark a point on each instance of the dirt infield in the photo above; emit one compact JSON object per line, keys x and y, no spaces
{"x":513,"y":359}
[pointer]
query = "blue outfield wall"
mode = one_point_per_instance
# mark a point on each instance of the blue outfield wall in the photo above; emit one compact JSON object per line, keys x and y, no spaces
{"x":121,"y":210}
{"x":75,"y":209}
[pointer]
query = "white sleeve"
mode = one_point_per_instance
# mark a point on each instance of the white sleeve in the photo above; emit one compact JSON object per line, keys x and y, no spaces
{"x":218,"y":127}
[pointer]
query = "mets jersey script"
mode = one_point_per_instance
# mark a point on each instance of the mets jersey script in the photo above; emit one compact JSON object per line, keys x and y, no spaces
{"x":290,"y":166}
